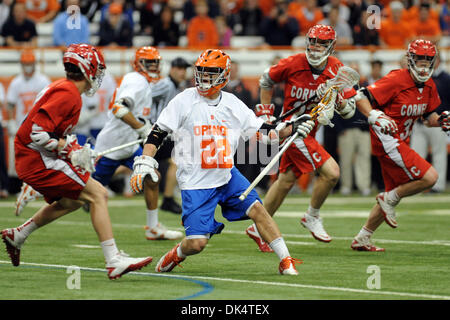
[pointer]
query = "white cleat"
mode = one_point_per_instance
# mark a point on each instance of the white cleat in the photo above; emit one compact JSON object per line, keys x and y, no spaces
{"x":287,"y":266}
{"x":364,"y":244}
{"x":387,"y":209}
{"x":160,"y":232}
{"x":123,"y":263}
{"x":27,"y":194}
{"x":315,"y":226}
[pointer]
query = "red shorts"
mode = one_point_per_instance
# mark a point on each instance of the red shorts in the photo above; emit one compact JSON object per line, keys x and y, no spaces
{"x":401,"y":165}
{"x":52,"y":177}
{"x":304,"y":156}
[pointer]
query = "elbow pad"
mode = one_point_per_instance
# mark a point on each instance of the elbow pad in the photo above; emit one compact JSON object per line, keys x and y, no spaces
{"x":121,"y":107}
{"x":43,"y":139}
{"x":265,"y":81}
{"x":156,"y":136}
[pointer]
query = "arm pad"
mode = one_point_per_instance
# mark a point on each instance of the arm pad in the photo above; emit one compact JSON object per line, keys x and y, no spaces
{"x":265,"y":81}
{"x":156,"y":136}
{"x":46,"y":140}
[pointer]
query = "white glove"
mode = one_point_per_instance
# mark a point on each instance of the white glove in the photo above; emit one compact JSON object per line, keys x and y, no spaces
{"x":302,"y":125}
{"x":321,"y":90}
{"x":387,"y":124}
{"x":349,"y":109}
{"x":143,"y":166}
{"x":84,"y":158}
{"x":144,"y":131}
{"x":11,"y":125}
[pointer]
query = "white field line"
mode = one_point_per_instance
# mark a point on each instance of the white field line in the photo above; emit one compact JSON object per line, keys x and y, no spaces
{"x":264,"y":283}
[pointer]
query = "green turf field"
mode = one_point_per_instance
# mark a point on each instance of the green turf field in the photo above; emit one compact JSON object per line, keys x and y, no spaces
{"x":416,"y":264}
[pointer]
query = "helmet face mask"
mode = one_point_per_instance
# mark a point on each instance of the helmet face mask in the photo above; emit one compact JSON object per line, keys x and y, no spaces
{"x":421,"y":59}
{"x":147,"y":62}
{"x":151,"y":67}
{"x":212,"y":72}
{"x":320,"y":41}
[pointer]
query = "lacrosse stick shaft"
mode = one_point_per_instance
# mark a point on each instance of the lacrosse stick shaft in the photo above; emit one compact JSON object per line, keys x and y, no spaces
{"x":267,"y":168}
{"x":123,"y":146}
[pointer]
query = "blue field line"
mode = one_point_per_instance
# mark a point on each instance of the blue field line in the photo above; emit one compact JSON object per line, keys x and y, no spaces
{"x":206,"y":287}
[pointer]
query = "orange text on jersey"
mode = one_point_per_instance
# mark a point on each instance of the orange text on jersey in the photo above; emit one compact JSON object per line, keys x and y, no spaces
{"x":209,"y":130}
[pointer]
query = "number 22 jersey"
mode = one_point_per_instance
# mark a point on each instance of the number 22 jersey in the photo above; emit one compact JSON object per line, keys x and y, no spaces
{"x":206,"y":136}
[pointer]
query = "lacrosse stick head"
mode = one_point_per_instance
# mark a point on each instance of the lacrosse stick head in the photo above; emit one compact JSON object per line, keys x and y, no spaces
{"x":324,"y":111}
{"x":346,"y":78}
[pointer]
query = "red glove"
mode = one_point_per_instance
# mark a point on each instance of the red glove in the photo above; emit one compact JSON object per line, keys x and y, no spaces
{"x":265,"y":111}
{"x":444,"y":120}
{"x":70,"y":146}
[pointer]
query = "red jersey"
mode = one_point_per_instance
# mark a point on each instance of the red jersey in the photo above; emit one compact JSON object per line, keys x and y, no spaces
{"x":397,"y":95}
{"x":300,"y":82}
{"x":56,"y":109}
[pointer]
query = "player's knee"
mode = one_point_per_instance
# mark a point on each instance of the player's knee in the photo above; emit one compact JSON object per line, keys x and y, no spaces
{"x":285,"y":183}
{"x":431,"y":177}
{"x":197,"y":245}
{"x":331,"y":173}
{"x":100,"y":194}
{"x":258,"y":212}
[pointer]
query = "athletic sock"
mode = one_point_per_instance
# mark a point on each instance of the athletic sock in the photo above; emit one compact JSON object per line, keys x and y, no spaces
{"x":180,"y":254}
{"x":279,"y":247}
{"x":26,"y":229}
{"x":152,"y":218}
{"x":313,"y":212}
{"x":364,"y":232}
{"x":109,"y":249}
{"x":392,"y":197}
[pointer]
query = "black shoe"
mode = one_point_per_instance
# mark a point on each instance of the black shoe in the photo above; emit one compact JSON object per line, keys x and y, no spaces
{"x":170,"y":205}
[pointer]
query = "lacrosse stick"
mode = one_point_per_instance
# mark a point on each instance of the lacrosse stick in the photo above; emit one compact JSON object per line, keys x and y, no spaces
{"x":114,"y":149}
{"x":315,"y":114}
{"x":345,"y":78}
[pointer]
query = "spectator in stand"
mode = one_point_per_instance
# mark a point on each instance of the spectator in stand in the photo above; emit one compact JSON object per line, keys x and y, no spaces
{"x":115,"y":30}
{"x":279,"y":29}
{"x":250,"y":17}
{"x":425,"y":27}
{"x":414,"y":11}
{"x":364,"y":35}
{"x":87,"y":7}
{"x":357,"y":8}
{"x":41,"y":11}
{"x":344,"y":11}
{"x":224,"y":31}
{"x":127,"y":10}
{"x":18,"y":30}
{"x":376,"y":72}
{"x":4,"y":181}
{"x":190,"y":11}
{"x":201,"y":30}
{"x":424,"y":138}
{"x":229,"y":10}
{"x":395,"y":32}
{"x":444,"y":18}
{"x":166,"y":32}
{"x":237,"y":87}
{"x":65,"y":32}
{"x":308,"y":16}
{"x":149,"y":14}
{"x":343,"y":31}
{"x":5,"y":9}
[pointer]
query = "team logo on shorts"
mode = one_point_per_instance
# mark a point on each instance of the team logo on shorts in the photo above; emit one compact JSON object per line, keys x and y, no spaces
{"x":415,"y":171}
{"x":317,"y":157}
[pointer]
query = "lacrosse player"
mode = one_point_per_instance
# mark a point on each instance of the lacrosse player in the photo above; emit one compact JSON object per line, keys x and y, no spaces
{"x":206,"y":124}
{"x":130,"y":108}
{"x":304,"y":74}
{"x":392,"y":105}
{"x":54,"y":164}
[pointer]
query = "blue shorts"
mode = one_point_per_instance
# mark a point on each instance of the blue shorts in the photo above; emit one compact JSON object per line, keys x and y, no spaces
{"x":105,"y":167}
{"x":199,"y":205}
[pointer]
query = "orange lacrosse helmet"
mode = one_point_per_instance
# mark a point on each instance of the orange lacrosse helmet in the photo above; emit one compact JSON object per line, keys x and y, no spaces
{"x":28,"y":61}
{"x":147,"y":62}
{"x":212,"y":71}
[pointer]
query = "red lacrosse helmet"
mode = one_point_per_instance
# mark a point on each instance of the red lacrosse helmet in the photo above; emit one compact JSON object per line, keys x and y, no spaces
{"x":320,"y":41}
{"x":212,"y":71}
{"x":90,"y":61}
{"x":147,"y":62}
{"x":421,"y":59}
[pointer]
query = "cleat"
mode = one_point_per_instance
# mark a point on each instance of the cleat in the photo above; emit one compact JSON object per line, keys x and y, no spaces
{"x":12,"y":246}
{"x":169,"y":204}
{"x":287,"y":266}
{"x":169,"y":261}
{"x":27,"y":194}
{"x":315,"y":226}
{"x":161,"y":233}
{"x":262,"y":245}
{"x":123,"y":263}
{"x":387,"y":209}
{"x":364,"y":244}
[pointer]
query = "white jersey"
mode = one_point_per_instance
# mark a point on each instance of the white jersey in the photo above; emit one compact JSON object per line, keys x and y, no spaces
{"x":206,"y":136}
{"x":22,"y":92}
{"x":2,"y":100}
{"x":135,"y":87}
{"x":162,"y":92}
{"x":89,"y":109}
{"x":104,"y":93}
